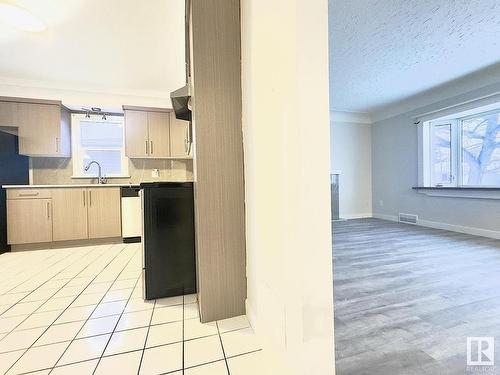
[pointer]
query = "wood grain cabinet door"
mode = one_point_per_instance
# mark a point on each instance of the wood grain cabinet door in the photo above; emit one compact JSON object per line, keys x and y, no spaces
{"x":9,"y":114}
{"x":104,"y":212}
{"x":39,"y":129}
{"x":179,"y":137}
{"x":159,"y":134}
{"x":29,"y":221}
{"x":69,"y":214}
{"x":136,"y":134}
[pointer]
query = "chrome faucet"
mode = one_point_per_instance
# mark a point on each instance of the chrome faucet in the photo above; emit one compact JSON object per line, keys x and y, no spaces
{"x":100,"y":179}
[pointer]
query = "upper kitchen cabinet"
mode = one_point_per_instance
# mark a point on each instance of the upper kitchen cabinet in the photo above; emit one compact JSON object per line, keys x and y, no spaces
{"x":43,"y":126}
{"x":8,"y":114}
{"x":155,"y":133}
{"x":180,"y":144}
{"x":159,"y":134}
{"x":136,"y":134}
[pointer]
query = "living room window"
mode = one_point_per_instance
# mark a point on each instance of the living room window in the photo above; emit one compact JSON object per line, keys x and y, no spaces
{"x":463,"y":151}
{"x":100,"y":139}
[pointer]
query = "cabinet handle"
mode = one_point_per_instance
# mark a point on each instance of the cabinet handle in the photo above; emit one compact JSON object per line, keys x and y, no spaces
{"x":146,"y":147}
{"x":151,"y":147}
{"x":28,"y":194}
{"x":48,"y":210}
{"x":90,"y":198}
{"x":186,"y":140}
{"x":57,"y":145}
{"x":83,"y":198}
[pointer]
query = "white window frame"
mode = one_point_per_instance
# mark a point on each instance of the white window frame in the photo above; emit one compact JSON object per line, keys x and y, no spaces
{"x":77,"y":150}
{"x":428,"y":127}
{"x":426,"y":177}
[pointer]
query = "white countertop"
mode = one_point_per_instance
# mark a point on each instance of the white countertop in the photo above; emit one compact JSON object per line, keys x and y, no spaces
{"x":65,"y":186}
{"x":75,"y":185}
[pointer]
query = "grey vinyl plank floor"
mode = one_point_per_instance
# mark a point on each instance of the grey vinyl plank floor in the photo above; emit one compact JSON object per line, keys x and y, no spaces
{"x":407,"y":297}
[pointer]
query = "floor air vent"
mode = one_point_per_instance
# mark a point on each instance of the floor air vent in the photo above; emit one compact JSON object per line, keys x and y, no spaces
{"x":408,"y":218}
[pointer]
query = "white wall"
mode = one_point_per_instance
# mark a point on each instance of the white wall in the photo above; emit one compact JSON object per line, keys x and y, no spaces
{"x":395,"y":171}
{"x":286,"y":142}
{"x":351,"y":155}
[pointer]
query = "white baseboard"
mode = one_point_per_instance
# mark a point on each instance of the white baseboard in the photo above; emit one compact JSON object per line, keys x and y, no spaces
{"x":356,"y":216}
{"x":252,"y":319}
{"x":385,"y":217}
{"x":445,"y":226}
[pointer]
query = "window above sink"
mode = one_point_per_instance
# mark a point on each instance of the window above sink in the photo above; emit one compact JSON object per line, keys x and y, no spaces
{"x":99,"y":139}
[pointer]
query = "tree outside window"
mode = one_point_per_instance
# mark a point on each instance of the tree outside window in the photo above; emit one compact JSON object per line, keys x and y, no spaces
{"x":465,"y":151}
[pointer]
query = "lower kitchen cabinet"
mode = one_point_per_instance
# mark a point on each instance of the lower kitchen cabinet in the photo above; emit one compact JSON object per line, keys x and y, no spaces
{"x":29,"y":221}
{"x":62,"y":214}
{"x":70,"y":214}
{"x":104,"y":212}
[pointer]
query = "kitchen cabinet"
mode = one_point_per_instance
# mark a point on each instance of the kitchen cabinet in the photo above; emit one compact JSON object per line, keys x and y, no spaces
{"x":159,"y":134}
{"x":8,"y":114}
{"x":29,"y":221}
{"x":136,"y":134}
{"x":62,"y":214}
{"x":104,"y":212}
{"x":147,"y":134}
{"x":69,"y":214}
{"x":44,"y":130}
{"x":179,"y":137}
{"x":155,"y":133}
{"x":43,"y":126}
{"x":28,"y":193}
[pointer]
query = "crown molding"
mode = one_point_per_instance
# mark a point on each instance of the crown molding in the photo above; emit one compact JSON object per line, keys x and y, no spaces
{"x":471,"y":86}
{"x":350,"y":117}
{"x":83,"y":95}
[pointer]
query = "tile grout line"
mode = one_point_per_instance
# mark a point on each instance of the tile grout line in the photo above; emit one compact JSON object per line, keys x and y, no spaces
{"x":35,"y":311}
{"x":88,"y":265}
{"x":16,"y":262}
{"x":146,"y":340}
{"x":140,"y":350}
{"x":220,"y":360}
{"x":10,"y":291}
{"x":37,"y":273}
{"x":61,"y":258}
{"x":86,"y":320}
{"x":222,"y":346}
{"x":117,"y":322}
{"x":126,"y":330}
{"x":45,"y":282}
{"x":120,"y":252}
{"x":113,"y":270}
{"x":107,"y":316}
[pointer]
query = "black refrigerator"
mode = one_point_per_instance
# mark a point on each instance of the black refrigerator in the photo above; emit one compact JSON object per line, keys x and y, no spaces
{"x":169,"y":266}
{"x":14,"y":170}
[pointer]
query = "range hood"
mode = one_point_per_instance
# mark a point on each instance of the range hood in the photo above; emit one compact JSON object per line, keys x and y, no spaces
{"x":181,"y":98}
{"x":181,"y":102}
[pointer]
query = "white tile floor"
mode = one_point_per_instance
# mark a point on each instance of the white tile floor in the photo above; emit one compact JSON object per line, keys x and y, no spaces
{"x":80,"y":311}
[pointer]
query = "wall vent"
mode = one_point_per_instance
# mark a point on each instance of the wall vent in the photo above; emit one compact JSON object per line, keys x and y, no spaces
{"x":408,"y":218}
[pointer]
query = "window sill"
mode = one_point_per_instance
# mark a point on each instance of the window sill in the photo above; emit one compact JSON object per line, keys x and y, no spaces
{"x":94,"y":177}
{"x":460,"y":192}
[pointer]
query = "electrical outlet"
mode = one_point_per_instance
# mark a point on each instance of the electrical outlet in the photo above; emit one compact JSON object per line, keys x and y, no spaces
{"x":155,"y":173}
{"x":381,"y":203}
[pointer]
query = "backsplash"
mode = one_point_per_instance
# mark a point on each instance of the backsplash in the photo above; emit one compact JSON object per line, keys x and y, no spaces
{"x":58,"y":171}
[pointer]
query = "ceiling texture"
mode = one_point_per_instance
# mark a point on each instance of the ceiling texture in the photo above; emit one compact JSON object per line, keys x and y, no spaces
{"x":383,"y":52}
{"x":121,"y":47}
